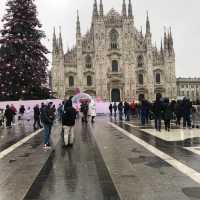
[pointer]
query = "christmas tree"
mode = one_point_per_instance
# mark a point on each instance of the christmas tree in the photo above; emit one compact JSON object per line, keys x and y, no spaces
{"x":23,"y":62}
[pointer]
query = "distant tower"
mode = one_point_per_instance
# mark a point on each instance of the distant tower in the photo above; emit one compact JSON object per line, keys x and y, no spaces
{"x":101,"y":11}
{"x":79,"y":50}
{"x":130,"y":9}
{"x":148,"y":33}
{"x":124,"y":11}
{"x":95,"y":10}
{"x":61,"y":69}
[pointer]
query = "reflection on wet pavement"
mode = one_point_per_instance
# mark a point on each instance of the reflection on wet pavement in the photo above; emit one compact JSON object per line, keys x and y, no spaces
{"x":9,"y":137}
{"x":75,"y":173}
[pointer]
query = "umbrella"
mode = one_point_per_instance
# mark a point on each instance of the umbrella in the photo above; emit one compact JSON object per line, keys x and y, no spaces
{"x":82,"y":97}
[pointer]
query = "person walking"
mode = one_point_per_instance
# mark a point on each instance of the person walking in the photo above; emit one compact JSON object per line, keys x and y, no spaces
{"x":111,"y":109}
{"x":84,"y":110}
{"x":120,"y":109}
{"x":186,"y":110}
{"x":9,"y":116}
{"x":68,"y":123}
{"x":14,"y":110}
{"x":92,"y":110}
{"x":168,"y":114}
{"x":144,"y":112}
{"x":1,"y":118}
{"x":36,"y":117}
{"x":21,"y":112}
{"x":115,"y":109}
{"x":47,"y":118}
{"x":178,"y":113}
{"x":158,"y":111}
{"x":127,"y":111}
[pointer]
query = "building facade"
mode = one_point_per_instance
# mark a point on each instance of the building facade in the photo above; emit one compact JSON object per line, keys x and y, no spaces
{"x":189,"y":87}
{"x":113,"y":60}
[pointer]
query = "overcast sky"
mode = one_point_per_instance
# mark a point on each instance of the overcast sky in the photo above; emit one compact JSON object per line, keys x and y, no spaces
{"x":182,"y":15}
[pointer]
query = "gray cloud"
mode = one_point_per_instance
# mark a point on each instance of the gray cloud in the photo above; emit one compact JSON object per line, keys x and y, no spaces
{"x":181,"y":15}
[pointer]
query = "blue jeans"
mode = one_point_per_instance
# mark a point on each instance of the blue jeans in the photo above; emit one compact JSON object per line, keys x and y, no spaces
{"x":47,"y":133}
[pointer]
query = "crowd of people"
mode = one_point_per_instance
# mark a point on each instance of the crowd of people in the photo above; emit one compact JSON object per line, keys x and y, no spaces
{"x":44,"y":115}
{"x":159,"y":110}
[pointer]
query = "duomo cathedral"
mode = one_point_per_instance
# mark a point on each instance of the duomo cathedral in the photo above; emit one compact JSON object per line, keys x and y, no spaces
{"x":114,"y":60}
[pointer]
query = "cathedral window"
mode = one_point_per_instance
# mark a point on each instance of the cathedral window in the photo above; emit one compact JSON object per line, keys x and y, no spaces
{"x":89,"y":81}
{"x":140,"y":79}
{"x":158,"y":78}
{"x":140,"y":61}
{"x":115,"y":66}
{"x":114,"y":39}
{"x":71,"y":81}
{"x":88,"y":61}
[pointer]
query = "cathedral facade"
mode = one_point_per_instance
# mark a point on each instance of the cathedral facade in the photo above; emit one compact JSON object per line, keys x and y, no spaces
{"x":113,"y":60}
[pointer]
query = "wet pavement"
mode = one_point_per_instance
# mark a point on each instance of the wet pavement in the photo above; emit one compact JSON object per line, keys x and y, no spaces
{"x":109,"y":161}
{"x":9,"y":137}
{"x":75,"y":173}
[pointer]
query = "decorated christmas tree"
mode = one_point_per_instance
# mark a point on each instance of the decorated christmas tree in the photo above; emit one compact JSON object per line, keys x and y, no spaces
{"x":23,"y":61}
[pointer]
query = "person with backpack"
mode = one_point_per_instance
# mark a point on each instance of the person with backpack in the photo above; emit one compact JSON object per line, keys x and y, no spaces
{"x":68,"y":123}
{"x":47,"y":119}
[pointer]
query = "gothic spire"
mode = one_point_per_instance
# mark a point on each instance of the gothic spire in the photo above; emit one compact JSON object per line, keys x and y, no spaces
{"x":148,"y":28}
{"x":54,"y":40}
{"x":130,"y":9}
{"x":165,"y":40}
{"x":101,"y":9}
{"x":78,"y":25}
{"x":161,"y":47}
{"x":124,"y":12}
{"x":95,"y":9}
{"x":171,"y":37}
{"x":60,"y":41}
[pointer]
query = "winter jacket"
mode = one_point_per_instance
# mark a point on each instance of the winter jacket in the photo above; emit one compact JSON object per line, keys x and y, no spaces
{"x":158,"y":109}
{"x":47,"y":115}
{"x":69,"y":117}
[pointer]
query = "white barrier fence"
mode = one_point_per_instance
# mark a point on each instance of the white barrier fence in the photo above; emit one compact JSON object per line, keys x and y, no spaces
{"x":101,"y":107}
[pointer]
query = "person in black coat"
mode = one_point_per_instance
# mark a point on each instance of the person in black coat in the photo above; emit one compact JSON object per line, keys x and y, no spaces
{"x":84,"y":110}
{"x":47,"y":118}
{"x":158,"y":111}
{"x":186,"y":110}
{"x":127,"y":111}
{"x":168,"y":113}
{"x":115,"y":109}
{"x":9,"y":116}
{"x":36,"y":117}
{"x":111,"y":109}
{"x":68,"y":123}
{"x":144,"y":112}
{"x":120,"y":109}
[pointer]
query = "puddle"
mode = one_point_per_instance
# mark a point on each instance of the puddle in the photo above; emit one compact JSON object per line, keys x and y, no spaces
{"x":157,"y":163}
{"x":12,"y":160}
{"x":193,"y":192}
{"x":135,"y":150}
{"x":137,"y":160}
{"x":25,"y":155}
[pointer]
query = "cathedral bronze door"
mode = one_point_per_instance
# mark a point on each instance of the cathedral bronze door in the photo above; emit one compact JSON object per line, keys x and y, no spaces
{"x":115,"y":95}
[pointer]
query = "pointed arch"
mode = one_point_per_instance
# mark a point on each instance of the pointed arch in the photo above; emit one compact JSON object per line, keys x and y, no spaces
{"x":114,"y":36}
